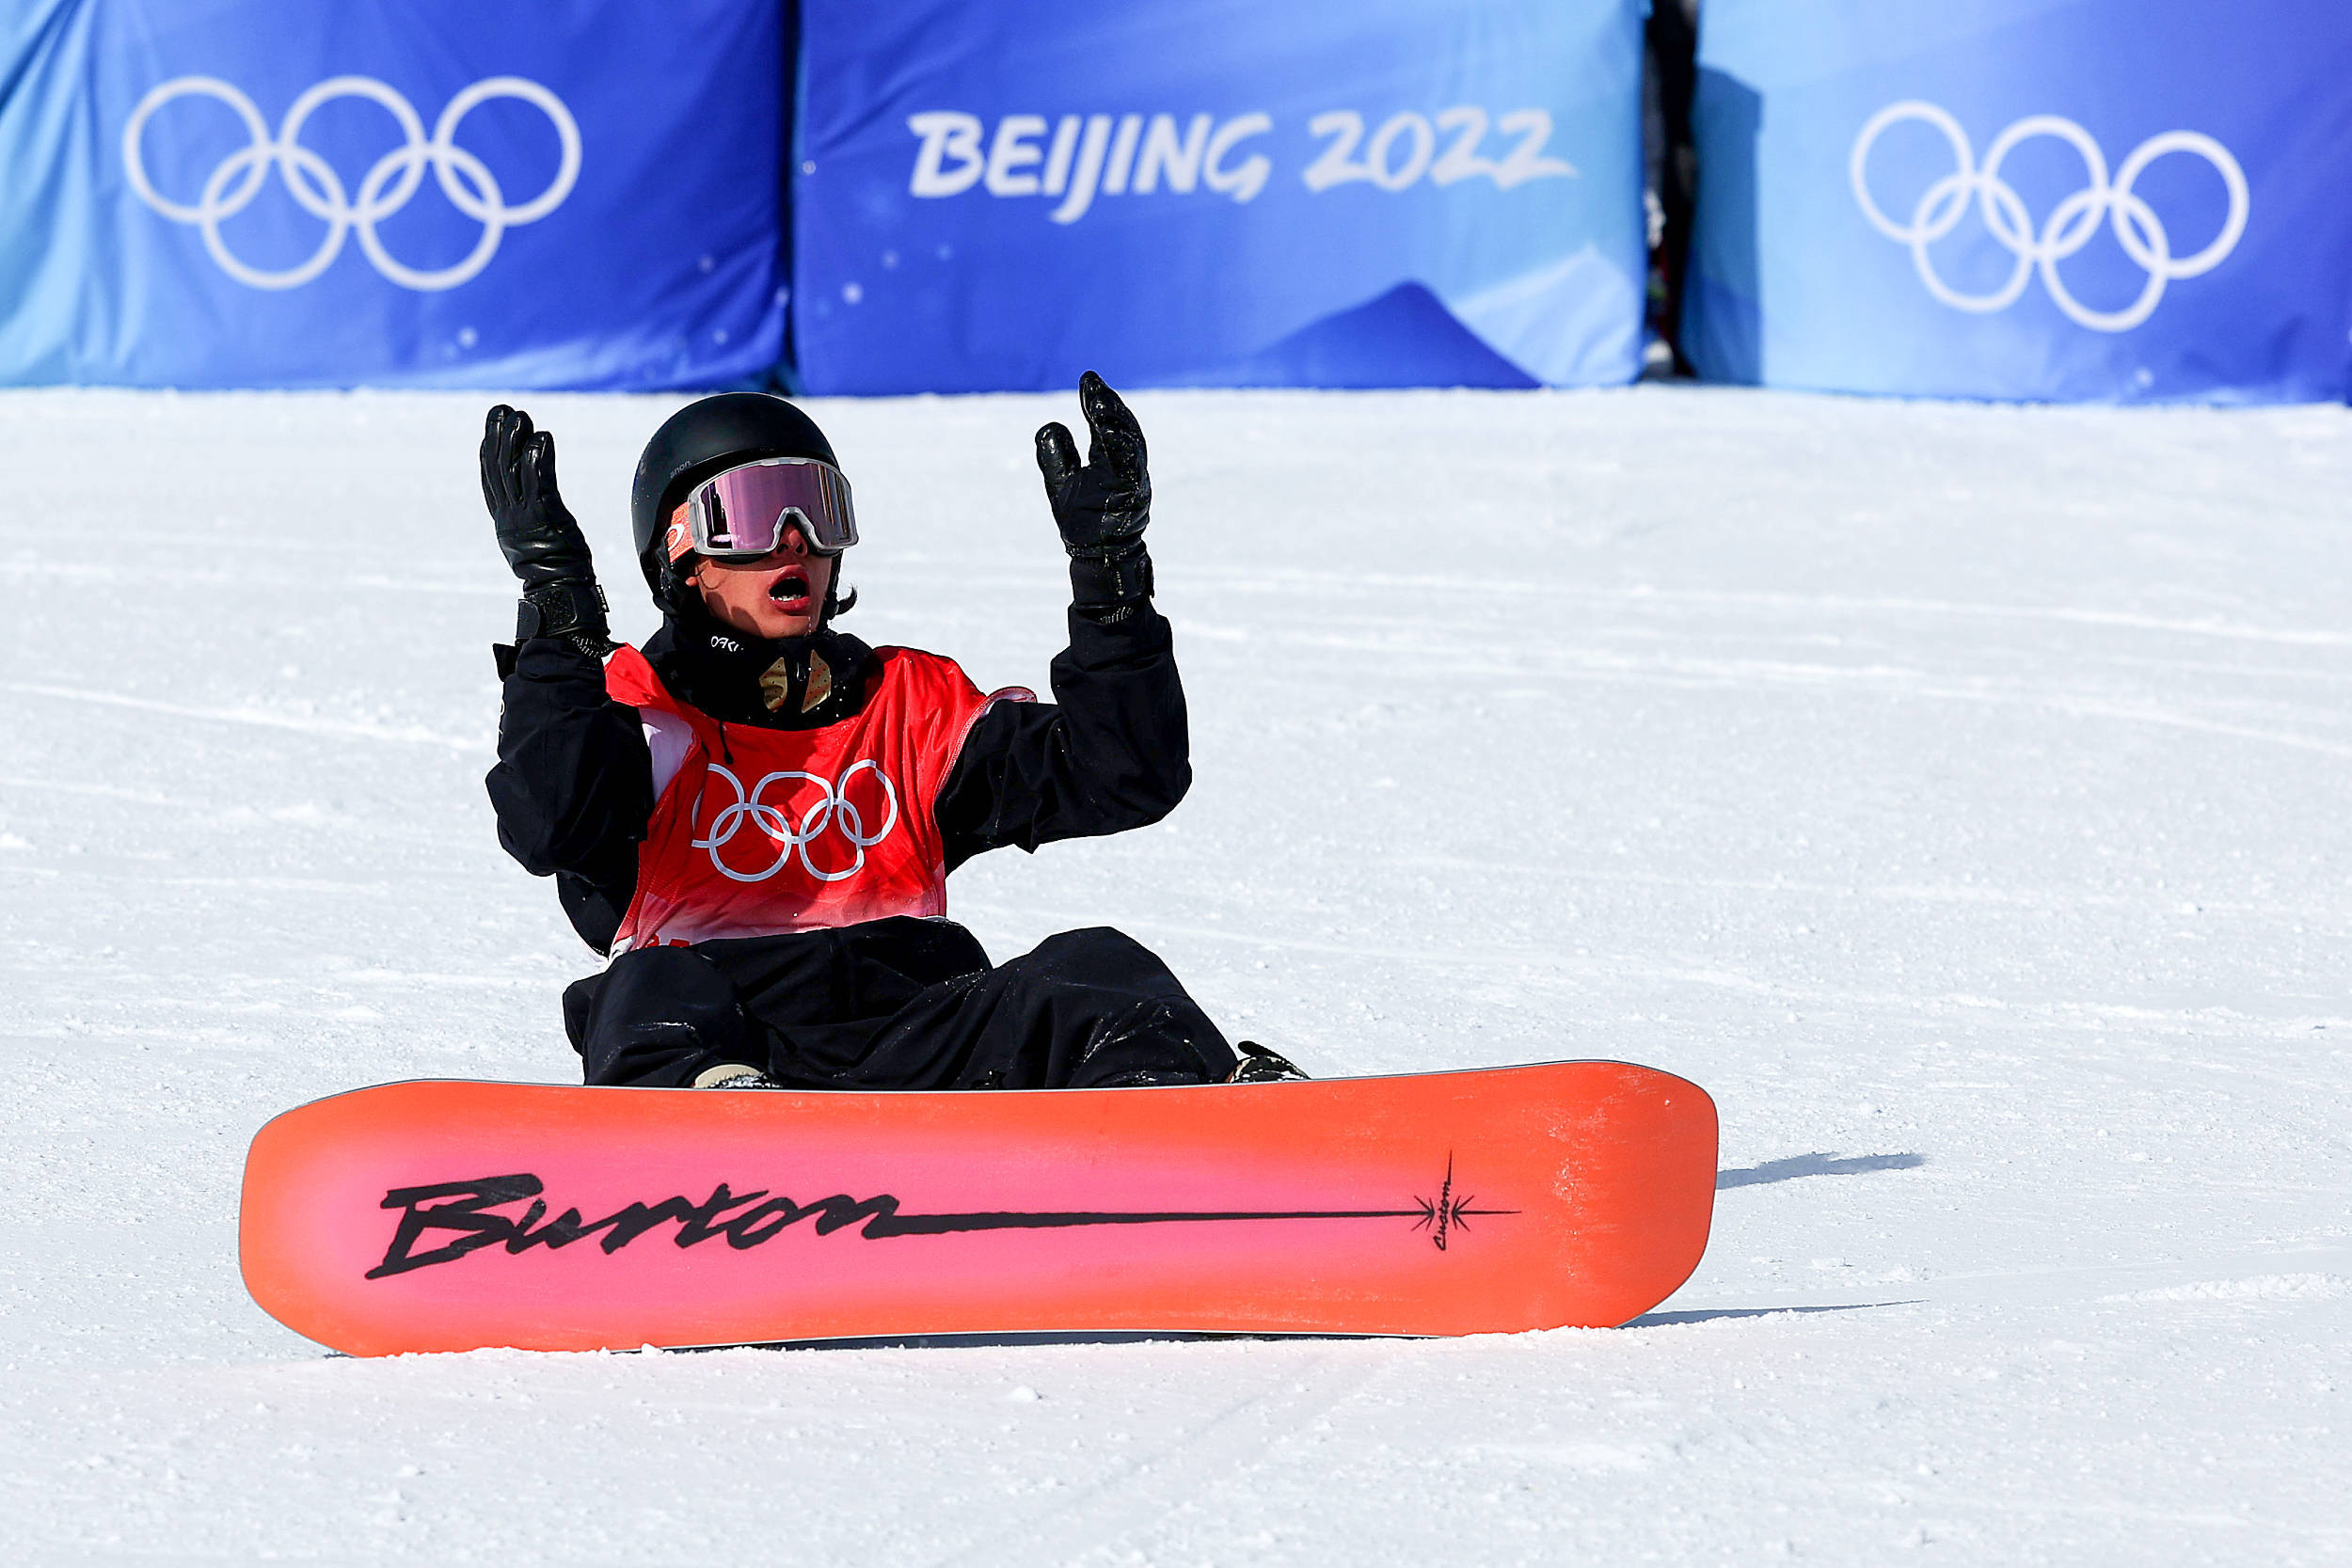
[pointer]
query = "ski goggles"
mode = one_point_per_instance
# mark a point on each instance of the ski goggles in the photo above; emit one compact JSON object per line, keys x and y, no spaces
{"x":741,"y":515}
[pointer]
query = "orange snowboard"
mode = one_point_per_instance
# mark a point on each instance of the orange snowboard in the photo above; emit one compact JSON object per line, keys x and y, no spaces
{"x":446,"y":1216}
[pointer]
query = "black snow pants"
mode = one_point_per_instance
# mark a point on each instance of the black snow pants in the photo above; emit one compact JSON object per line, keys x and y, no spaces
{"x":896,"y":1005}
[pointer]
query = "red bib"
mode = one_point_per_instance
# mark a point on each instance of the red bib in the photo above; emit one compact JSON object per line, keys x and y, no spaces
{"x":761,"y":831}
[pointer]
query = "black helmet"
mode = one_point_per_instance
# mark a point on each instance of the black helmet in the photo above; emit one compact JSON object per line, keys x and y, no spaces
{"x":703,"y":438}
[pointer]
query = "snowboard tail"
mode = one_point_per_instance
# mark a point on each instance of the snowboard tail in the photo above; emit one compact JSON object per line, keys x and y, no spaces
{"x":449,"y":1215}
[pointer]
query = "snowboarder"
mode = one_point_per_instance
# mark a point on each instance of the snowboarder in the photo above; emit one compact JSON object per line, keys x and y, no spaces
{"x":756,"y":814}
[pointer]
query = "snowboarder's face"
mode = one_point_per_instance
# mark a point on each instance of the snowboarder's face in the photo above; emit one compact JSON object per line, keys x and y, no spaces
{"x":780,"y":594}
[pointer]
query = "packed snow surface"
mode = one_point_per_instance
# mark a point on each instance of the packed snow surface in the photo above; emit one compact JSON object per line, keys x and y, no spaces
{"x":1959,"y":794}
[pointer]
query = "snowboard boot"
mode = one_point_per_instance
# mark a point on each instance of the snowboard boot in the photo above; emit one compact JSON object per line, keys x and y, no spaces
{"x":1261,"y":1066}
{"x":733,"y":1075}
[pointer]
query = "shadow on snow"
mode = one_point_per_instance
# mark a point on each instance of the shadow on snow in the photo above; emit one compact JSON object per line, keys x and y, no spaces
{"x":1813,"y":1165}
{"x":1668,"y":1320}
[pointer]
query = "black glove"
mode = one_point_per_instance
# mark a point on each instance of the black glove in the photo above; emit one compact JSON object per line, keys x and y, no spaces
{"x":542,"y":542}
{"x":1101,"y":508}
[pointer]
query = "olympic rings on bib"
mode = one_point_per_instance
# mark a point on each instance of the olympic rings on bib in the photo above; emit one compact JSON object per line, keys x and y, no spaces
{"x":2071,"y":222}
{"x":832,"y":809}
{"x":464,"y":177}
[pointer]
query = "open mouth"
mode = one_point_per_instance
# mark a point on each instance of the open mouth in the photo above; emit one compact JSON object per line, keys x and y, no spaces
{"x":789,"y":590}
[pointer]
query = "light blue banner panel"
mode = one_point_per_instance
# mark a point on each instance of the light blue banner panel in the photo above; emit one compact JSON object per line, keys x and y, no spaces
{"x":1218,"y":192}
{"x":2106,"y":200}
{"x":286,"y":193}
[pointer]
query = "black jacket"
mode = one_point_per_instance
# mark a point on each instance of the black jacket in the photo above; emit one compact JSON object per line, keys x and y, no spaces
{"x":573,"y":788}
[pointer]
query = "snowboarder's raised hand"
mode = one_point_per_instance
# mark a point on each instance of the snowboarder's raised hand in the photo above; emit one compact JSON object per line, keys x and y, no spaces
{"x":541,"y":540}
{"x":1101,"y":508}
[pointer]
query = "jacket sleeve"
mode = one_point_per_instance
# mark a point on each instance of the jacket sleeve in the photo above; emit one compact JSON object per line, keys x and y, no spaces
{"x":573,"y":787}
{"x":1111,"y":751}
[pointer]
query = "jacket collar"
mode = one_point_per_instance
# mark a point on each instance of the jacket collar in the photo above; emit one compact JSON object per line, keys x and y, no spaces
{"x":791,"y":683}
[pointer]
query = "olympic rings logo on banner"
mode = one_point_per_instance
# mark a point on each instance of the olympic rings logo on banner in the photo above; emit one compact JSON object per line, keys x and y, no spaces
{"x":832,"y":809}
{"x":2071,"y":222}
{"x":464,"y":177}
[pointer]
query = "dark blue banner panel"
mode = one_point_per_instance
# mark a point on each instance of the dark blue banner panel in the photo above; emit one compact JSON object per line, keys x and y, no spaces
{"x":2108,"y":199}
{"x":284,"y":193}
{"x":1218,"y":192}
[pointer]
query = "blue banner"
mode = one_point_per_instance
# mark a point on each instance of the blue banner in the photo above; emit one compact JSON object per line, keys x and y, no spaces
{"x":1218,"y":192}
{"x":2109,"y":200}
{"x":286,"y":193}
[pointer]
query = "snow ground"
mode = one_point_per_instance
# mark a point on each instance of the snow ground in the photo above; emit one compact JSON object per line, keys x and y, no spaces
{"x":1958,"y":793}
